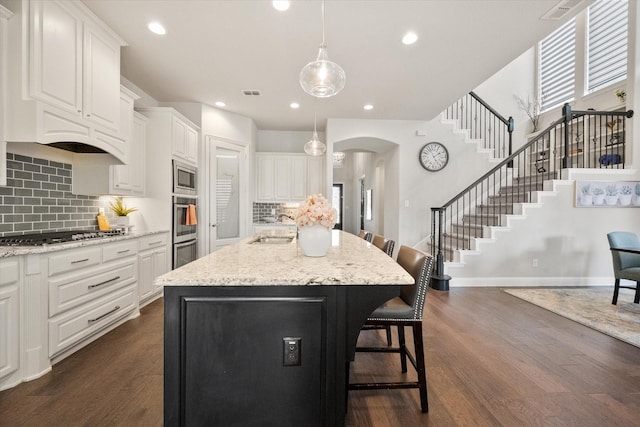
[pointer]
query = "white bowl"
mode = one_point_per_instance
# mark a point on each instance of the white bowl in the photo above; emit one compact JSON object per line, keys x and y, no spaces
{"x":268,"y":219}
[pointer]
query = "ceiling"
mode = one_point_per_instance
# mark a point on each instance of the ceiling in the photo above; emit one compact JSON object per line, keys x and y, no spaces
{"x":215,"y":49}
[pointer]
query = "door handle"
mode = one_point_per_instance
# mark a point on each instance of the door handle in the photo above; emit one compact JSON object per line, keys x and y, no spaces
{"x":213,"y":225}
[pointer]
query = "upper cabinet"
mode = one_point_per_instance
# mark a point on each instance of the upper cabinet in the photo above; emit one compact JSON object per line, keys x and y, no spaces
{"x":5,"y":15}
{"x":184,"y":143}
{"x":283,"y":177}
{"x":64,"y":77}
{"x":121,"y":180}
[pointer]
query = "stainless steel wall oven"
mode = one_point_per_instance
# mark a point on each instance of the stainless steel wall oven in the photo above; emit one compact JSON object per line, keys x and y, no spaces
{"x":184,"y":231}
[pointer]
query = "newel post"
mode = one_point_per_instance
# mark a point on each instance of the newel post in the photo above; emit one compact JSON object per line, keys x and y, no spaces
{"x":566,"y":114}
{"x":439,"y":280}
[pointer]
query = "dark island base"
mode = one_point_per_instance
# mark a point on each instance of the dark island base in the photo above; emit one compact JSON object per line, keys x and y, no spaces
{"x":225,"y":355}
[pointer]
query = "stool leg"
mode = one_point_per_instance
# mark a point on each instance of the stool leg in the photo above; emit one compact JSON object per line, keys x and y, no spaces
{"x":616,"y":288}
{"x":403,"y":348}
{"x":422,"y":376}
{"x":389,"y":340}
{"x":637,"y":297}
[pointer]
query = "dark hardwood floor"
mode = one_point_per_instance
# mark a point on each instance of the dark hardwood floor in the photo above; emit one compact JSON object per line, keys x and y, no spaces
{"x":491,"y":358}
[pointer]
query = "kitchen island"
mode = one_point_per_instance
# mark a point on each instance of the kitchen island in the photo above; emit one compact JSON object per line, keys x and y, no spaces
{"x":258,"y":334}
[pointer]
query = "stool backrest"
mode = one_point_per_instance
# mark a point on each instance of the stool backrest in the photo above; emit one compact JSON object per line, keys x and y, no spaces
{"x":385,"y":245}
{"x":419,"y":265}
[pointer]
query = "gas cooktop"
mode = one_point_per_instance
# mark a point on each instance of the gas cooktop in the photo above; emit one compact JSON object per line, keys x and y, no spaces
{"x":40,"y":239}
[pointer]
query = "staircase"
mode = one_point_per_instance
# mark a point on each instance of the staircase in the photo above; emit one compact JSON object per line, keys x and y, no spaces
{"x":573,"y":141}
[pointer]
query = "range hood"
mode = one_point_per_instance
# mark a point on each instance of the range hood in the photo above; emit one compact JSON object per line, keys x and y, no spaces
{"x":77,"y":147}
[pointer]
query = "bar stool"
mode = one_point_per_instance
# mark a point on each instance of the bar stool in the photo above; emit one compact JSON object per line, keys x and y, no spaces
{"x":405,"y":311}
{"x":385,"y":245}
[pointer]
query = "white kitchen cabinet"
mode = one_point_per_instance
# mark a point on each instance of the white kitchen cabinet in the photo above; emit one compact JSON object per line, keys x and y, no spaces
{"x":9,"y":316}
{"x":118,"y":180}
{"x":5,"y":15}
{"x":153,"y":261}
{"x":76,"y":64}
{"x":129,"y":179}
{"x":184,"y":143}
{"x":70,"y":67}
{"x":89,"y":289}
{"x":283,"y":177}
{"x":315,"y":176}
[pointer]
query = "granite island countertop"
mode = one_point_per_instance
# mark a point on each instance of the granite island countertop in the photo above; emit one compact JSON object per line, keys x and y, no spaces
{"x":350,"y":261}
{"x":9,"y":251}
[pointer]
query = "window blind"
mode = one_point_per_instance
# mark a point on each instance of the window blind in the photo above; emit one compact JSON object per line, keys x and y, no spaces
{"x":606,"y":43}
{"x":557,"y":66}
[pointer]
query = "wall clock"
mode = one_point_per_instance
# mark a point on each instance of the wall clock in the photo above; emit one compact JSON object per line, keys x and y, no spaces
{"x":434,"y":156}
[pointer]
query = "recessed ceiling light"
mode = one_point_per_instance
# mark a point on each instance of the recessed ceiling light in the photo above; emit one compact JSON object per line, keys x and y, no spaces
{"x":156,"y":28}
{"x":410,"y":38}
{"x":280,"y":5}
{"x":368,"y":107}
{"x":294,"y":105}
{"x":220,"y":104}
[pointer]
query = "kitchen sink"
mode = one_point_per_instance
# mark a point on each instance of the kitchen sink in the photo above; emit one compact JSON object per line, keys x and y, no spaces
{"x":274,"y":239}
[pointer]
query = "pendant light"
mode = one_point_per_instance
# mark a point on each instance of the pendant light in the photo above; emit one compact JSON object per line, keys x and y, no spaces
{"x":315,"y":147}
{"x":322,"y":78}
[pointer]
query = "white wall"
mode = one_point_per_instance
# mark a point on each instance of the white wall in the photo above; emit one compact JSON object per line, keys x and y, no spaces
{"x":410,"y":190}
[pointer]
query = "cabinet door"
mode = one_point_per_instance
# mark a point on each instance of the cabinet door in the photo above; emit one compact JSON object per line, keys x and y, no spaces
{"x":138,"y":144}
{"x":298,"y":178}
{"x":282,"y":178}
{"x":56,"y":65}
{"x":101,"y":87}
{"x":9,"y":316}
{"x":145,"y":274}
{"x":122,"y":175}
{"x":179,"y":138}
{"x":315,"y":176}
{"x":264,"y":176}
{"x":160,"y":262}
{"x":192,"y":145}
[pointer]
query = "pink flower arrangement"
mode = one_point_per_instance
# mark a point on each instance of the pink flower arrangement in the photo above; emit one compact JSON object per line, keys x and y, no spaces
{"x":316,"y":210}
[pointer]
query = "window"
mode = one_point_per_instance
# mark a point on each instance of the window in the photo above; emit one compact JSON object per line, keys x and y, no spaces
{"x":606,"y":43}
{"x":557,"y":66}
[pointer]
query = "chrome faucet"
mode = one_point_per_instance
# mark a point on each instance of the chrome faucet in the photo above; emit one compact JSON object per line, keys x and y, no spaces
{"x":280,"y":216}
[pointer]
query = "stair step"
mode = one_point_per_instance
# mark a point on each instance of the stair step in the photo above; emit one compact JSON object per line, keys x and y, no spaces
{"x":539,"y":177}
{"x":503,"y":208}
{"x":522,"y":187}
{"x":484,"y":220}
{"x":468,"y":229}
{"x":456,"y":241}
{"x":504,"y":199}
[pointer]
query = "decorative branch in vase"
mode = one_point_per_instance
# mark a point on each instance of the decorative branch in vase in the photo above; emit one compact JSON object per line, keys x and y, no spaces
{"x":533,"y":109}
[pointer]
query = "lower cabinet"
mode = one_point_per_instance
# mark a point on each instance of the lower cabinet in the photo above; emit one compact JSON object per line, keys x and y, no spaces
{"x":89,"y":288}
{"x":9,"y":317}
{"x":153,"y":261}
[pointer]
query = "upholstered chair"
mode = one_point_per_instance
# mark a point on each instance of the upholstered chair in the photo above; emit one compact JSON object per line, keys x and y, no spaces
{"x":385,"y":245}
{"x":626,"y":265}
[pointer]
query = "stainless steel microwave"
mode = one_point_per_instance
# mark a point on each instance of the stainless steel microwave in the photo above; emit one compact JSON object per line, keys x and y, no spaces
{"x":184,"y":179}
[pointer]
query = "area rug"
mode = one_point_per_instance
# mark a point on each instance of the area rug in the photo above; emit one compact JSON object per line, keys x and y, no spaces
{"x":591,"y":307}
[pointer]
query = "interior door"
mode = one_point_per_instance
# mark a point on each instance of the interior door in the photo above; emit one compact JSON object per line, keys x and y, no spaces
{"x":226,"y":194}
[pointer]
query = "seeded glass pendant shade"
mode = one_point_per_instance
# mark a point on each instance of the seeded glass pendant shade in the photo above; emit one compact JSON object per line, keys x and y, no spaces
{"x":315,"y":147}
{"x":322,"y":78}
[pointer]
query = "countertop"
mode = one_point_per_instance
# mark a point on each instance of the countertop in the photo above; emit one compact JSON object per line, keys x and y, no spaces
{"x":277,"y":224}
{"x":350,"y":261}
{"x":8,"y":251}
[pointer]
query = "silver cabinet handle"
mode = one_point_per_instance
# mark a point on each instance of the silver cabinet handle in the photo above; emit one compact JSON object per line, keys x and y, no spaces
{"x":102,"y":283}
{"x":79,"y":260}
{"x":116,"y":308}
{"x":124,"y":251}
{"x":156,"y":243}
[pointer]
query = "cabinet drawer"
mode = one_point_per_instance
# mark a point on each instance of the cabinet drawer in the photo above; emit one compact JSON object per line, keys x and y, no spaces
{"x":9,"y":272}
{"x":119,"y":250}
{"x":75,"y":289}
{"x":150,"y":242}
{"x":73,"y":326}
{"x":74,"y":260}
